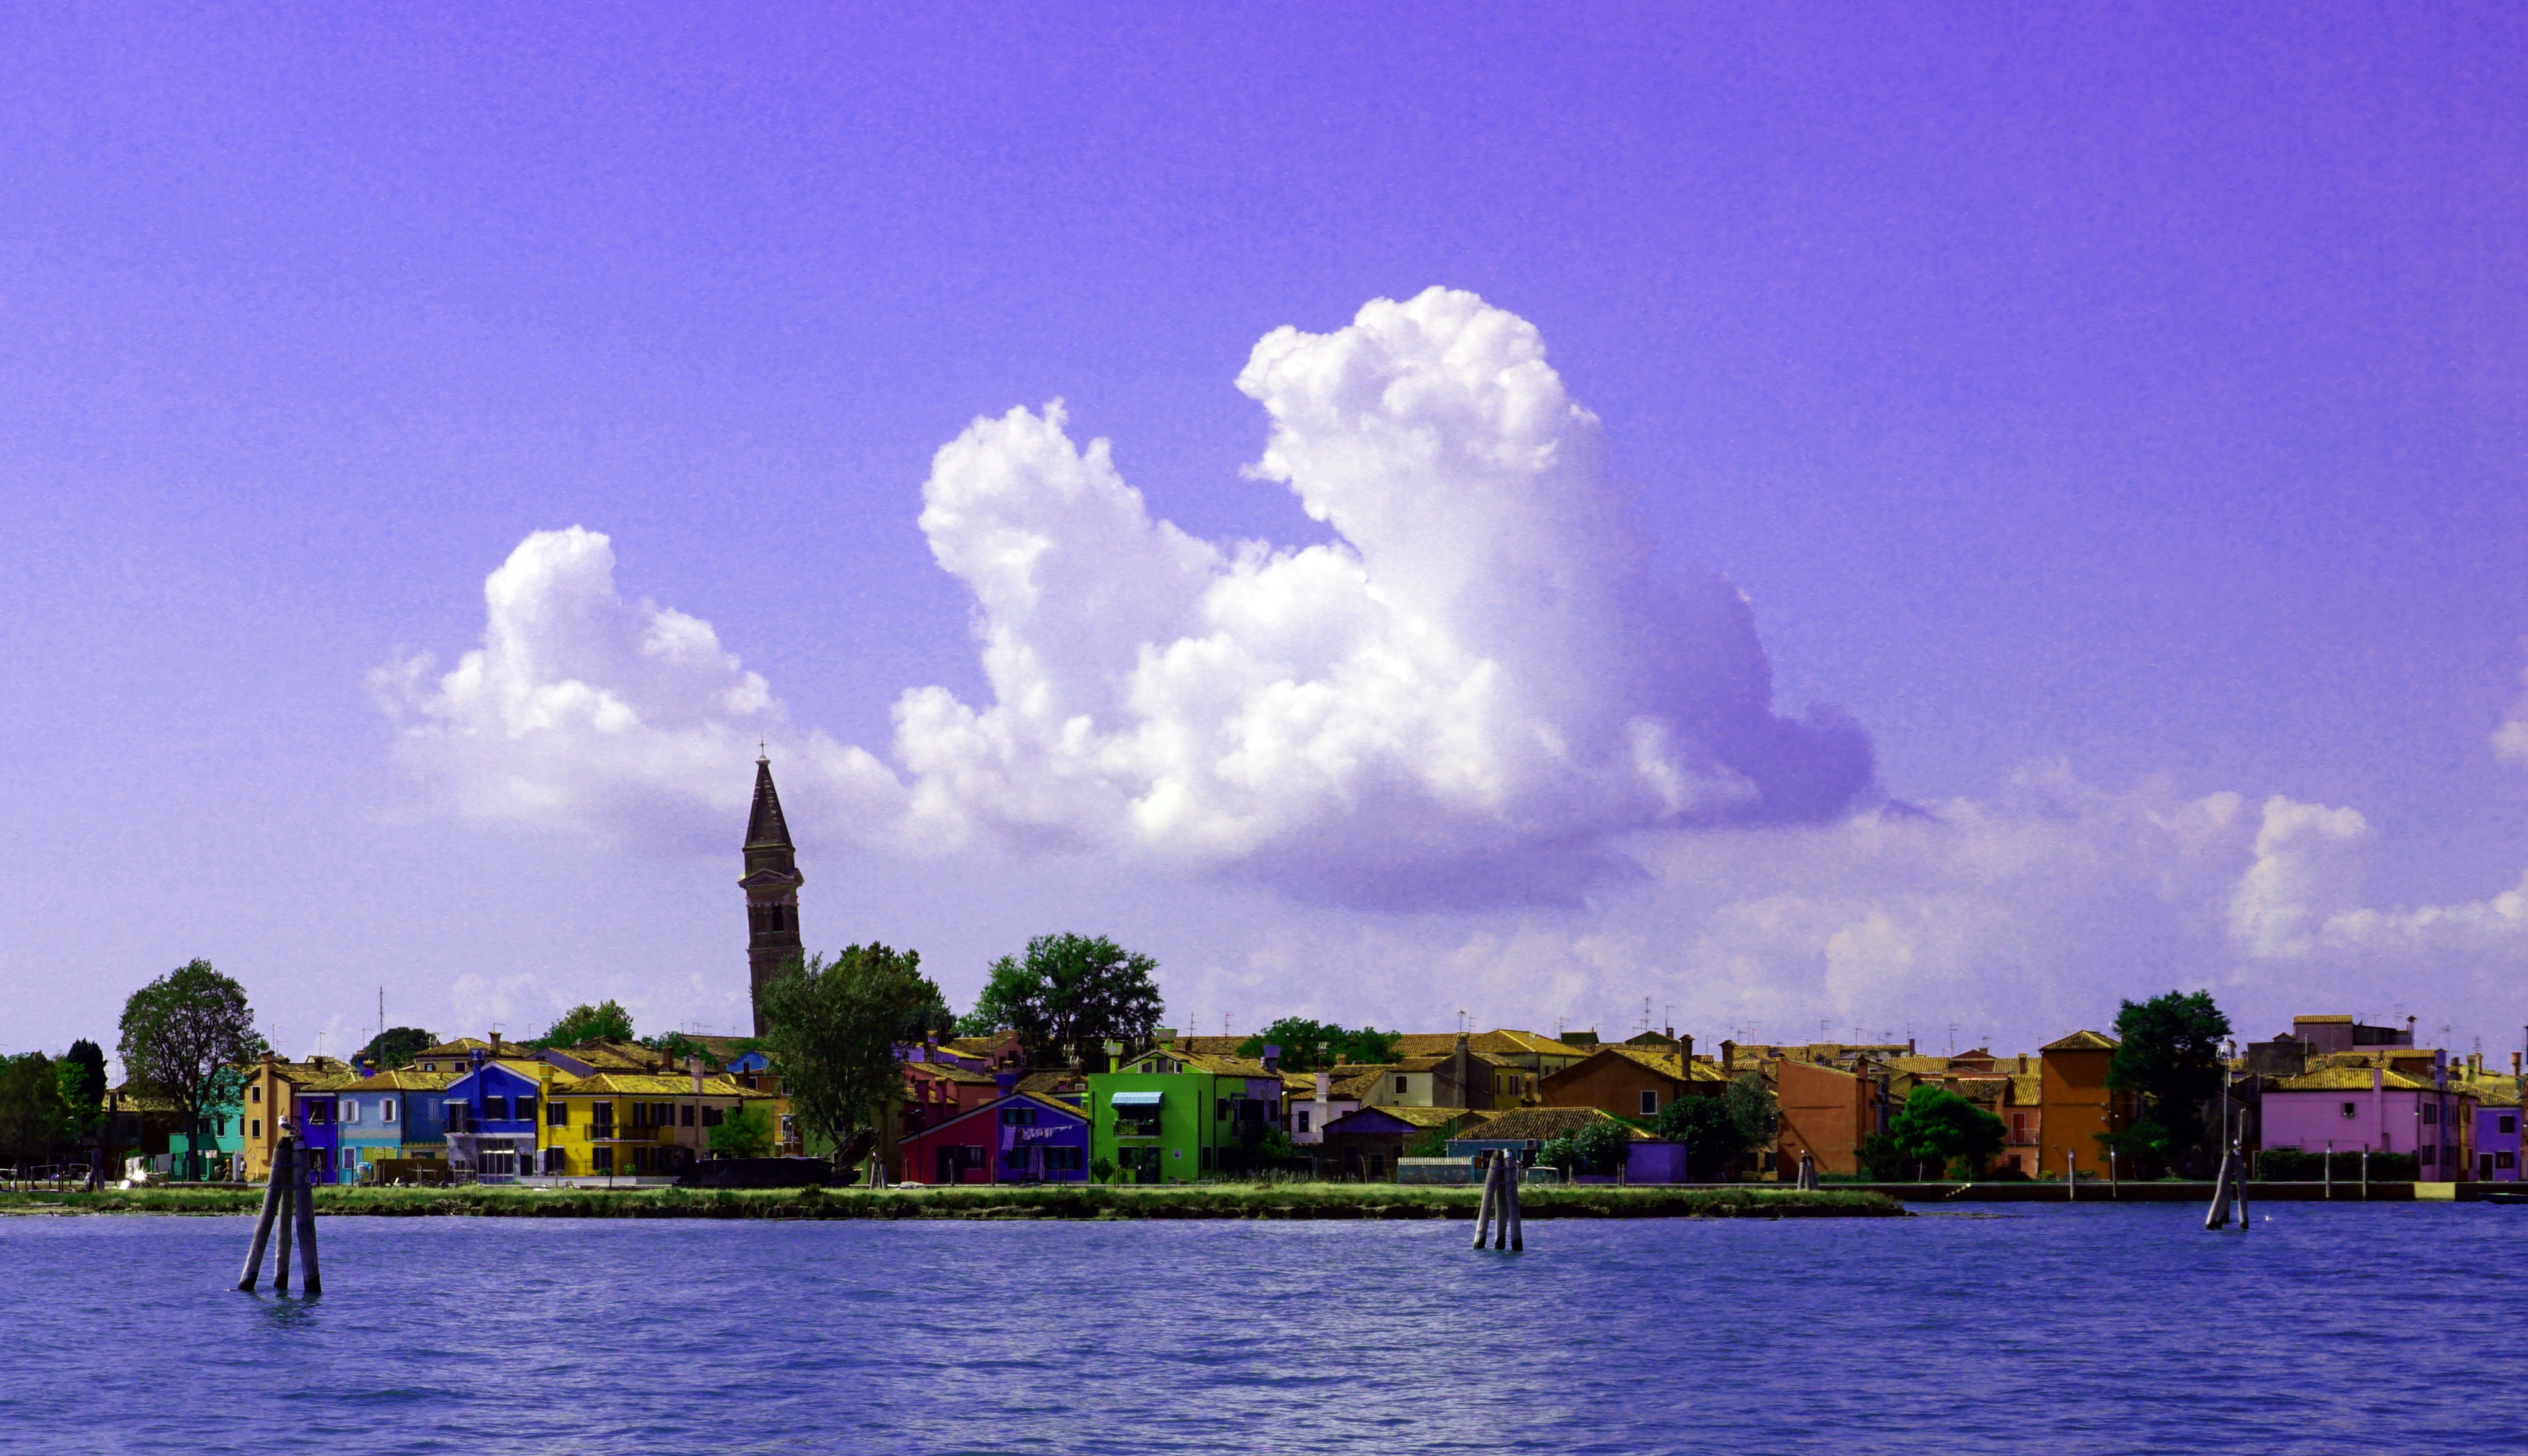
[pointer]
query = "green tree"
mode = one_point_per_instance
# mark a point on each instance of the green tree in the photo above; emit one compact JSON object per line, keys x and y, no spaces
{"x":606,"y":1020}
{"x":1594,"y":1148}
{"x":35,"y":1121}
{"x":187,"y":1037}
{"x":81,"y":1073}
{"x":1068,"y":995}
{"x":746,"y":1132}
{"x":2169,"y":1054}
{"x":1718,"y":1131}
{"x":390,"y":1050}
{"x":1313,"y":1046}
{"x":1937,"y":1127}
{"x":833,"y":1029}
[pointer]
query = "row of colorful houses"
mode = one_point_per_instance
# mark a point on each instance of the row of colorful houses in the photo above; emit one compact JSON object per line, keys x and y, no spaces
{"x":494,"y":1112}
{"x":1190,"y":1109}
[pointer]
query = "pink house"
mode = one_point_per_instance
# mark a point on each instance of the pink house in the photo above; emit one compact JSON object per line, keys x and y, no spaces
{"x":2358,"y":1107}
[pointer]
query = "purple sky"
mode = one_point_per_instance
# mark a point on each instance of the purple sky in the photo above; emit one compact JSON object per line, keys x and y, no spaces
{"x":2120,"y":419}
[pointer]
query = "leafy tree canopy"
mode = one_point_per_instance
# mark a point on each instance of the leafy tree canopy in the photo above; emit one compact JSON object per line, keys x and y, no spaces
{"x":82,"y":1076}
{"x":1593,"y":1148}
{"x":390,"y":1050}
{"x":1313,"y":1046}
{"x":1717,"y":1130}
{"x":34,"y":1119}
{"x":1938,"y":1127}
{"x":2170,"y":1053}
{"x":606,"y":1020}
{"x":1068,"y":995}
{"x":187,"y":1037}
{"x":746,"y":1132}
{"x":832,"y":1028}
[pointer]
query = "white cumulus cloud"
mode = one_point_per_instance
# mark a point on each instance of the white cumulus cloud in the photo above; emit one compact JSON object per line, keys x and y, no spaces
{"x":1462,"y":699}
{"x":584,"y":710}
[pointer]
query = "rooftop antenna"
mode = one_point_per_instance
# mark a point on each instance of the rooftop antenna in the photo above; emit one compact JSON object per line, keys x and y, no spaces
{"x":1953,"y":1038}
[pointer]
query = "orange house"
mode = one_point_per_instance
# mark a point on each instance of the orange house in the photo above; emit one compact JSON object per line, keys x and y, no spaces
{"x":1826,"y":1114}
{"x":2075,"y":1105}
{"x":1630,"y":1081}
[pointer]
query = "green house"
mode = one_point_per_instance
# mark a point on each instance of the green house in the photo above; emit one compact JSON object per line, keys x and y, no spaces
{"x":1171,"y":1117}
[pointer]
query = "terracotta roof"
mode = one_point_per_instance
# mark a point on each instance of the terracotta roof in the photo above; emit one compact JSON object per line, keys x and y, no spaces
{"x":2322,"y":1020}
{"x":2081,"y":1041}
{"x":1227,"y":1067}
{"x":2028,"y":1089}
{"x":1543,"y":1122}
{"x":2348,"y":1079}
{"x":1050,"y":1083}
{"x":1418,"y":1116}
{"x":456,"y":1048}
{"x":1500,"y":1041}
{"x":950,"y":1072}
{"x":636,"y":1084}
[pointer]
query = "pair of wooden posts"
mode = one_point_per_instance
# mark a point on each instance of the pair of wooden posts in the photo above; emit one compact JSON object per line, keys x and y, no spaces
{"x":1499,"y":1215}
{"x":2228,"y":1191}
{"x":287,"y":1200}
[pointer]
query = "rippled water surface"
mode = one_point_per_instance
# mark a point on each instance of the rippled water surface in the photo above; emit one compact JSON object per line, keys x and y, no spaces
{"x":2097,"y":1328}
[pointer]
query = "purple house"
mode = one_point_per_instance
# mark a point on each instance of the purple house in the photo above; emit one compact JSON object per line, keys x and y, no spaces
{"x":2497,"y":1143}
{"x":2372,"y":1108}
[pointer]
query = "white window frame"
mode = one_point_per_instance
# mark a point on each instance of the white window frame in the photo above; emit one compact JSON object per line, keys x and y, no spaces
{"x":1650,"y":1102}
{"x":348,"y":1111}
{"x":385,"y":1110}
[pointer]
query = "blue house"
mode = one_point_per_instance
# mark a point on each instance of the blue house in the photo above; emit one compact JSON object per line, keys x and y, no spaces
{"x":381,"y":1114}
{"x":494,"y":1118}
{"x":312,"y":1116}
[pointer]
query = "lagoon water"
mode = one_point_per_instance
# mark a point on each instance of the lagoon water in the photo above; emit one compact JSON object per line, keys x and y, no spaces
{"x":2092,"y":1329}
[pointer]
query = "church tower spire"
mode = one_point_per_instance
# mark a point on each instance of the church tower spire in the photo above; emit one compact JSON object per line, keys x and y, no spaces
{"x":772,"y":885}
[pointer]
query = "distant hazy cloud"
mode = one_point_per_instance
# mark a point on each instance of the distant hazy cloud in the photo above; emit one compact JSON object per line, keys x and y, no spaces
{"x":2017,"y":917}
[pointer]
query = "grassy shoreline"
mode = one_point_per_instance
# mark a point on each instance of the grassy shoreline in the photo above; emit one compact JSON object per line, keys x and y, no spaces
{"x":1282,"y":1201}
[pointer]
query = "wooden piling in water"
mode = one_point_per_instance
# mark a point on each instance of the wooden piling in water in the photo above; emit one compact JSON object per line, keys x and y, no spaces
{"x":273,"y":1192}
{"x":1484,"y":1210}
{"x":2218,"y":1216}
{"x":303,"y":1191}
{"x":1517,"y":1222}
{"x":284,"y":1171}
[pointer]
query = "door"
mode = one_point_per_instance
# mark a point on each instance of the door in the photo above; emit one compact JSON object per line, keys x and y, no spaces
{"x":2483,"y":1166}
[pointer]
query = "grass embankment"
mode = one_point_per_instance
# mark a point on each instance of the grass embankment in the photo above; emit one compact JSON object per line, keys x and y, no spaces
{"x":1074,"y":1201}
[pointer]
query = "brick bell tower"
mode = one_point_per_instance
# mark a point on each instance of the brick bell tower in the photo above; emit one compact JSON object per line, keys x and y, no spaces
{"x":772,"y":885}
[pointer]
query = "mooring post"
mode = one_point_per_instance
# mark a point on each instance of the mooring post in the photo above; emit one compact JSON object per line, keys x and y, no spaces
{"x":304,"y":1190}
{"x":2071,"y":1175}
{"x":2245,"y":1169}
{"x":285,"y":1172}
{"x":1502,"y":1204}
{"x":1484,"y":1210}
{"x":1518,"y":1222}
{"x":273,"y":1196}
{"x":2217,"y":1217}
{"x":2365,"y":1169}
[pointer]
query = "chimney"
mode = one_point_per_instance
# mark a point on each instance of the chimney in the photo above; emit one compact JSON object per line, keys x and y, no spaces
{"x":1728,"y":1054}
{"x":1273,"y":1060}
{"x":1325,"y":1086}
{"x":1685,"y":1051}
{"x":1909,"y":1046}
{"x":1006,"y":1083}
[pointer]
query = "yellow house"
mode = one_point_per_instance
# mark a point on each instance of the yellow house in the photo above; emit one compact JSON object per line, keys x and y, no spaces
{"x":636,"y":1125}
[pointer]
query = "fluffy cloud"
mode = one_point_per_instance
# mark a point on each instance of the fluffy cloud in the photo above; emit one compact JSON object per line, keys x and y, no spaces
{"x":584,"y":710}
{"x":1463,"y":698}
